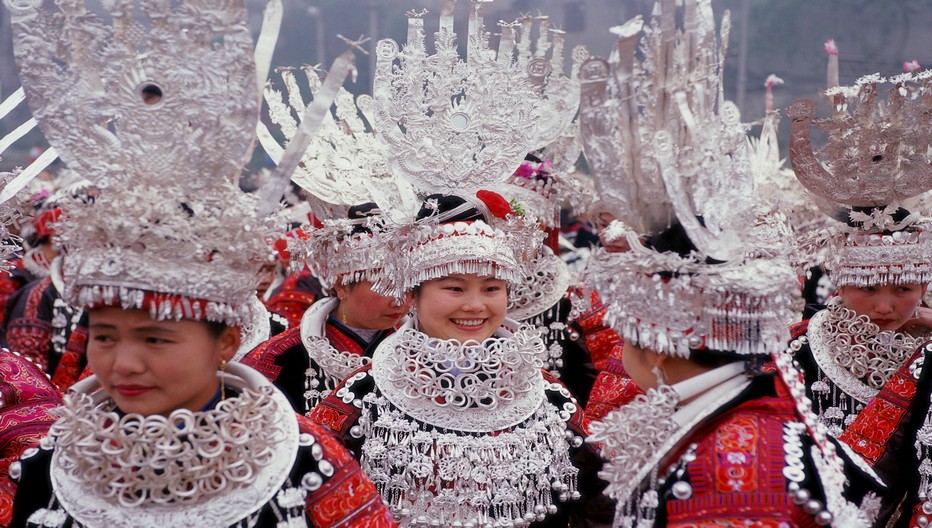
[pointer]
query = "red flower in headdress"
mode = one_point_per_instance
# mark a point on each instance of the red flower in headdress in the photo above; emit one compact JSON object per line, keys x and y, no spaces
{"x":498,"y":206}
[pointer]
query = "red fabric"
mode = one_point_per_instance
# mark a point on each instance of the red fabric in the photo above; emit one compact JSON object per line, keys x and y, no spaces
{"x":28,"y":334}
{"x":73,"y":359}
{"x":601,"y":339}
{"x":613,"y":388}
{"x":27,"y":398}
{"x":189,"y":308}
{"x":498,"y":205}
{"x":333,"y":413}
{"x":348,"y":498}
{"x":737,"y":476}
{"x":290,"y":301}
{"x":262,"y":358}
{"x":870,"y":432}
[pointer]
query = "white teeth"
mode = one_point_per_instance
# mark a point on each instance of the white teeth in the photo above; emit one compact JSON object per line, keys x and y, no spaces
{"x":469,"y":322}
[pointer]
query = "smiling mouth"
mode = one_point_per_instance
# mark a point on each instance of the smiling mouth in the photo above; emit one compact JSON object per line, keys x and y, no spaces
{"x":469,"y":323}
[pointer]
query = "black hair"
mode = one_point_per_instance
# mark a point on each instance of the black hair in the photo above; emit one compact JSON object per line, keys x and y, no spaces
{"x":708,"y":358}
{"x":215,"y":328}
{"x":448,"y":202}
{"x":361,"y":212}
{"x":676,"y":240}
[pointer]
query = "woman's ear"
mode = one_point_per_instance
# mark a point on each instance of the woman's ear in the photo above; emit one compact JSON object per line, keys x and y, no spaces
{"x":229,"y":342}
{"x":340,"y":290}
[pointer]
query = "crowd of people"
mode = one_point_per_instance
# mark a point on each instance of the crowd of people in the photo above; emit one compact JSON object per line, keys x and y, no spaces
{"x":427,"y":313}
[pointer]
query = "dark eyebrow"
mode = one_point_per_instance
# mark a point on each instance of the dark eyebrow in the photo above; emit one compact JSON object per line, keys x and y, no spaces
{"x":149,"y":329}
{"x":157,"y":329}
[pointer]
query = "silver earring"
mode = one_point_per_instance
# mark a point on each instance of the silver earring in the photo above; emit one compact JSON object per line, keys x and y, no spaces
{"x":659,"y":375}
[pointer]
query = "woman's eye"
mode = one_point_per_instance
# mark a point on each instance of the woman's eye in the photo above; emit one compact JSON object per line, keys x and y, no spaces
{"x":156,"y":341}
{"x":102,"y":339}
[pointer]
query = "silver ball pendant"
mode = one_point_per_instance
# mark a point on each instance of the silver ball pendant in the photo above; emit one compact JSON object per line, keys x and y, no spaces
{"x":682,"y":490}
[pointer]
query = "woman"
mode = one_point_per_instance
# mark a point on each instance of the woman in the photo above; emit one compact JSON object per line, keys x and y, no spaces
{"x":719,"y":437}
{"x":861,"y":355}
{"x":339,"y":332}
{"x":165,"y":261}
{"x":455,"y":409}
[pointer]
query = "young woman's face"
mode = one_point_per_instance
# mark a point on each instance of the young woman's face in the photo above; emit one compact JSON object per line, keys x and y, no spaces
{"x":462,"y":306}
{"x":155,"y":367}
{"x":364,"y":308}
{"x":888,"y":306}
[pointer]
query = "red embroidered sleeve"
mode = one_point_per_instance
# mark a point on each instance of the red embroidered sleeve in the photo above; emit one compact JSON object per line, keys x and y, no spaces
{"x":600,"y":338}
{"x":873,"y":428}
{"x":27,"y":398}
{"x":262,"y":358}
{"x":613,"y":388}
{"x":348,"y":498}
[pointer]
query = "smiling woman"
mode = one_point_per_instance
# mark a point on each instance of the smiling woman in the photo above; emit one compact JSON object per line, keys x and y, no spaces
{"x":458,"y":395}
{"x":465,"y":307}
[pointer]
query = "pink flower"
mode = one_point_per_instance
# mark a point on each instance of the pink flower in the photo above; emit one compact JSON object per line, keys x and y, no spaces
{"x":526,"y":170}
{"x":831,"y":48}
{"x":910,"y":67}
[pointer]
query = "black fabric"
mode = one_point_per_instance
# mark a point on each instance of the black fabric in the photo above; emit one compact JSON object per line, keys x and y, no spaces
{"x":448,"y":202}
{"x":360,"y":212}
{"x":676,"y":240}
{"x":295,"y":362}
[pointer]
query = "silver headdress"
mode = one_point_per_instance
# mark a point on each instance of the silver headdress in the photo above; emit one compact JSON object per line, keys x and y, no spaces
{"x":877,"y":155}
{"x":160,"y":116}
{"x":667,"y":150}
{"x":461,"y":127}
{"x":345,"y":165}
{"x":536,"y":185}
{"x":11,"y":208}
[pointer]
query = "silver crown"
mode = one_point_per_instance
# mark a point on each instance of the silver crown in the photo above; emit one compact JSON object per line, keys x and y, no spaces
{"x":558,"y":132}
{"x":877,"y":155}
{"x":878,"y":152}
{"x":665,"y":145}
{"x":454,"y":125}
{"x":161,"y":118}
{"x":460,"y":126}
{"x":346,"y":164}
